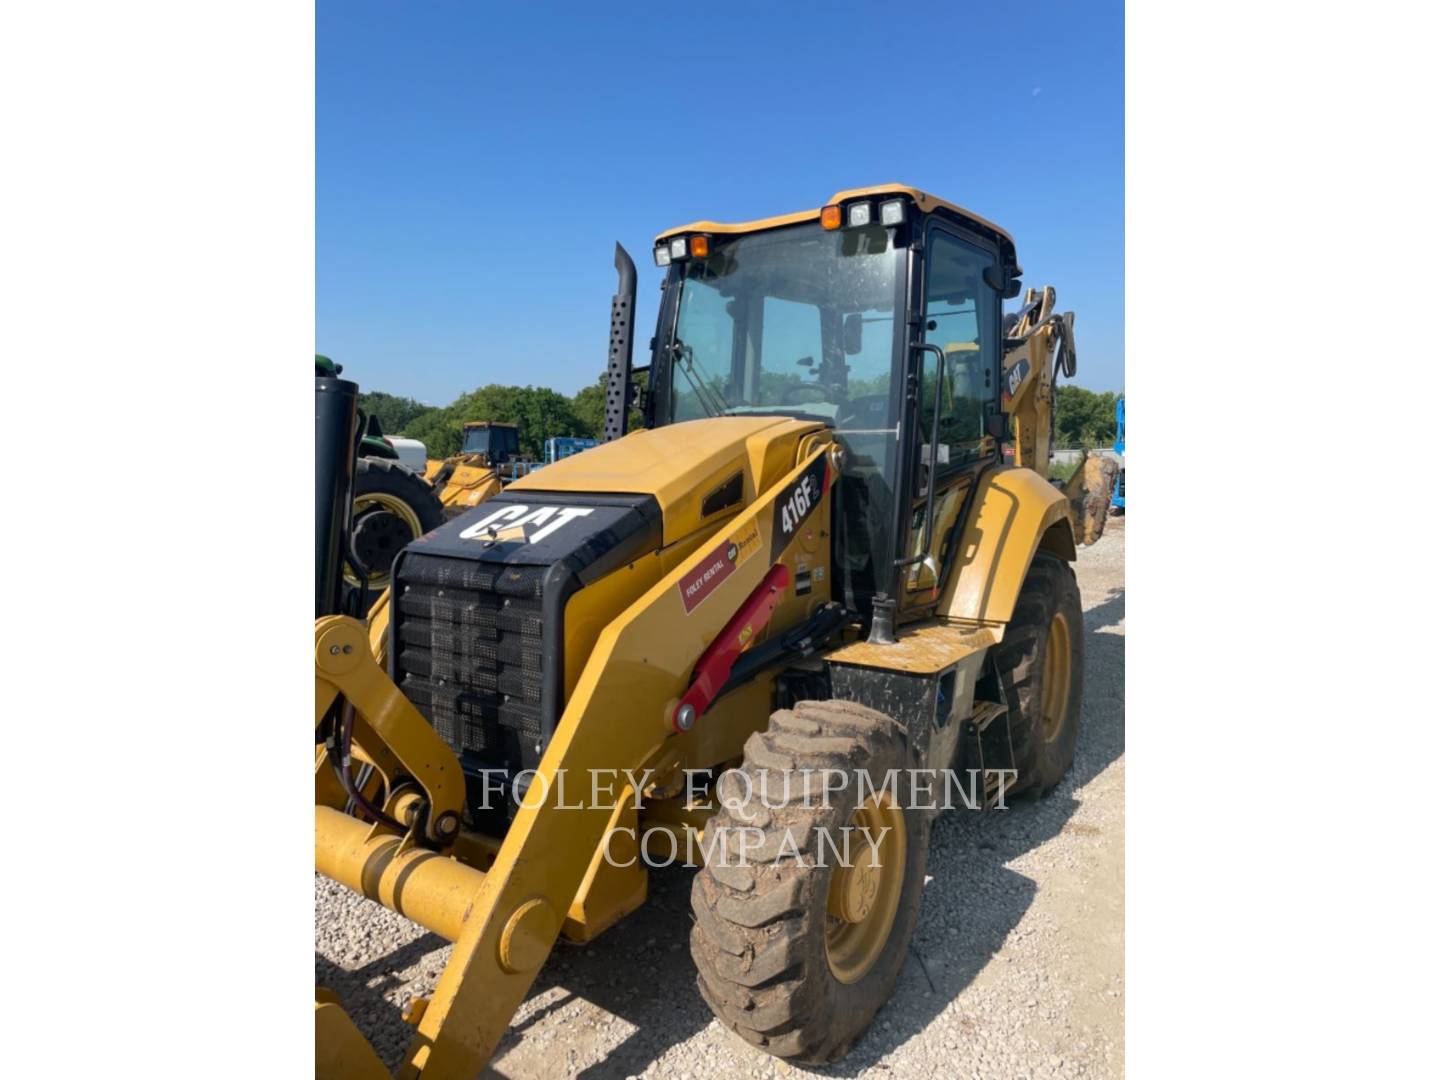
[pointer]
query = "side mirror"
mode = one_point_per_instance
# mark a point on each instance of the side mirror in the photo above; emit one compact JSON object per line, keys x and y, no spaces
{"x":997,"y":426}
{"x":640,"y":398}
{"x":1008,"y":287}
{"x":850,"y":333}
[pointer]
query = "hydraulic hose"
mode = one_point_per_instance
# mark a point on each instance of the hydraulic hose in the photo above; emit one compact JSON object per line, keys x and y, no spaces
{"x":340,"y":761}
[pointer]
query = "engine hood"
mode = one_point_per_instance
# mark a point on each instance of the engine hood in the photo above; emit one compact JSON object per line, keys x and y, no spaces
{"x":699,"y":471}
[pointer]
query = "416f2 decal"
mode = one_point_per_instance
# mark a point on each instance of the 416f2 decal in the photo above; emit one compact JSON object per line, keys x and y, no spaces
{"x":797,"y":503}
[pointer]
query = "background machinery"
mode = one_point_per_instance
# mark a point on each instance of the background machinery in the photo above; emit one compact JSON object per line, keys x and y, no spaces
{"x":489,"y":458}
{"x":812,"y":562}
{"x":1117,"y":502}
{"x":466,"y":479}
{"x":391,"y":505}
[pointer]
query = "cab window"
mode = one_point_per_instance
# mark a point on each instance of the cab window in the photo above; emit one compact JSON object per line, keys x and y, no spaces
{"x":961,"y":318}
{"x":791,"y":351}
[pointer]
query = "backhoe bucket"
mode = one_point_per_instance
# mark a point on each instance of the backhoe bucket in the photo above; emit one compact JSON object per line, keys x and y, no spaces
{"x":1088,"y":492}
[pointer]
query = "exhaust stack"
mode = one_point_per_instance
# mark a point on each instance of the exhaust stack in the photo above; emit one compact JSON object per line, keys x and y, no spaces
{"x":335,"y":434}
{"x":622,"y":342}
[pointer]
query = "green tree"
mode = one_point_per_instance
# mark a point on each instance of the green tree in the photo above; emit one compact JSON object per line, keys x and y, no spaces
{"x":589,"y":407}
{"x":393,"y":412}
{"x":438,"y":429}
{"x":540,"y":412}
{"x":1084,"y":417}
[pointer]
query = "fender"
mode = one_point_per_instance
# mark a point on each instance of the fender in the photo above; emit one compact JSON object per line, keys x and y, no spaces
{"x":1017,"y":512}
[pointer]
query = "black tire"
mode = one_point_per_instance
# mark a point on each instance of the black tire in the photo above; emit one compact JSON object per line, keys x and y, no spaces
{"x":1043,"y":754}
{"x":377,"y":534}
{"x":760,"y":935}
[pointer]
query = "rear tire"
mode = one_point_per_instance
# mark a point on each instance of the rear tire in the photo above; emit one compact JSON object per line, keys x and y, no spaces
{"x":1041,"y":661}
{"x":795,"y":949}
{"x":393,"y":506}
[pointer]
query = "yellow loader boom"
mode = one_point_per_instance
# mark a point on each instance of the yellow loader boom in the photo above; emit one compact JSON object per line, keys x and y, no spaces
{"x":813,"y":562}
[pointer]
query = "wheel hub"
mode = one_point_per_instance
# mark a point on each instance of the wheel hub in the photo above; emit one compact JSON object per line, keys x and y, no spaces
{"x":381,"y":524}
{"x":379,"y":536}
{"x":852,"y":894}
{"x":1055,"y":678}
{"x":865,"y":889}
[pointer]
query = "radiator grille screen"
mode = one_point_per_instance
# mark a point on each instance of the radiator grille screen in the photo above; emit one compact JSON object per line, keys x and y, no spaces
{"x":469,"y":651}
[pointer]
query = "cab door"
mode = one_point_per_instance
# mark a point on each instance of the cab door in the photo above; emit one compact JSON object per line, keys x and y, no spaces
{"x":961,"y":316}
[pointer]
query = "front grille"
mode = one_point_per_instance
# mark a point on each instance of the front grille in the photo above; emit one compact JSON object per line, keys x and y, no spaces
{"x":469,"y":651}
{"x":477,"y":640}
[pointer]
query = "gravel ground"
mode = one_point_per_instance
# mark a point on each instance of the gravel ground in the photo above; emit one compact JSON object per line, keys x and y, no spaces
{"x":1017,"y":966}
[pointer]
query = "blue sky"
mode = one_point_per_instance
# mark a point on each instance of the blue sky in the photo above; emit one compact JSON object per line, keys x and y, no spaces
{"x":475,"y":163}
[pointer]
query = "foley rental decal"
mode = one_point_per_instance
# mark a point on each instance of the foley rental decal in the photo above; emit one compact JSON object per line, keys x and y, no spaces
{"x":718,"y":565}
{"x":793,"y":507}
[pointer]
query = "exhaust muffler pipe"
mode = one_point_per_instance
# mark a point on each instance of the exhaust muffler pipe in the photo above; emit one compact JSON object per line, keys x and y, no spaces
{"x":622,"y":346}
{"x":335,"y":421}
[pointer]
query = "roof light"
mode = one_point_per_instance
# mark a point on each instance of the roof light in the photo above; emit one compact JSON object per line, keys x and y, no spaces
{"x":858,"y":215}
{"x":662,"y":254}
{"x":830,"y":217}
{"x":892,"y":212}
{"x":677,"y":248}
{"x":699,"y":246}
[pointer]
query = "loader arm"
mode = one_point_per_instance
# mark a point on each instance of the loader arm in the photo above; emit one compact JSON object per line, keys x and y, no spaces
{"x":619,"y":716}
{"x":346,"y":671}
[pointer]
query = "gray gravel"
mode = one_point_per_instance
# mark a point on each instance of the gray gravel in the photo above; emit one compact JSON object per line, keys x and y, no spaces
{"x":1017,"y":966}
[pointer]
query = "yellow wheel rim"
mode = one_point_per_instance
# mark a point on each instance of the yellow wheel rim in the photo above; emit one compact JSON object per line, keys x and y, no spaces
{"x":1055,"y":678}
{"x":390,"y":504}
{"x":865,"y":894}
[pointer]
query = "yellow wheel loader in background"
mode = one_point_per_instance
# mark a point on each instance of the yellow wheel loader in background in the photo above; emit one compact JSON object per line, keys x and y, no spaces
{"x":467,"y":478}
{"x":488,"y":459}
{"x":812,"y":564}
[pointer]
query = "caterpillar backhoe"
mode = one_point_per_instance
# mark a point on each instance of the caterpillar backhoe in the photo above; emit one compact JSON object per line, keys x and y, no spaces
{"x":738,"y":638}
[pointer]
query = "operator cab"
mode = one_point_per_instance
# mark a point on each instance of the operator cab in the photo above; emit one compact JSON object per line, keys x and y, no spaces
{"x":500,"y":442}
{"x":837,"y":315}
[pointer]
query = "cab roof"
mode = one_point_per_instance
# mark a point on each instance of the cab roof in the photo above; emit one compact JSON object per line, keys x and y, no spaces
{"x":926,"y":203}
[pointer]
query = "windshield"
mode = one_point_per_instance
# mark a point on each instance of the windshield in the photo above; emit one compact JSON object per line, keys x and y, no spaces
{"x":800,"y":322}
{"x":795,"y":321}
{"x":495,"y":441}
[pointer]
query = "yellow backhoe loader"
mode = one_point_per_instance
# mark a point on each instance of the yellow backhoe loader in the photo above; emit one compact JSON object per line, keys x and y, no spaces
{"x":744,"y":635}
{"x":467,"y":478}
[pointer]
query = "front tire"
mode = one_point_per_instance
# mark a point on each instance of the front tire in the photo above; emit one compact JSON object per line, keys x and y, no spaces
{"x":796,"y":946}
